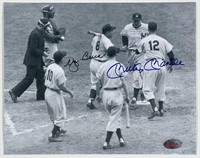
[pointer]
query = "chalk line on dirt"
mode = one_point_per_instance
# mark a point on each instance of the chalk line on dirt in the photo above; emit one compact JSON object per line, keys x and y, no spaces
{"x":10,"y":123}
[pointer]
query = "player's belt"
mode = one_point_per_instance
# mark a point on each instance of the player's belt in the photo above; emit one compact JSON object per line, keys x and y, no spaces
{"x":53,"y":89}
{"x":100,"y":60}
{"x":112,"y":89}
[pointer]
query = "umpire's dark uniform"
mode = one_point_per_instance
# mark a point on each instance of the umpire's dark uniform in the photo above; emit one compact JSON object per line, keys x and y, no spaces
{"x":34,"y":65}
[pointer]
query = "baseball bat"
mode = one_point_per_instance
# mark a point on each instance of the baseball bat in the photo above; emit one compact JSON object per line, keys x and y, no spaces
{"x":93,"y":33}
{"x":127,"y":115}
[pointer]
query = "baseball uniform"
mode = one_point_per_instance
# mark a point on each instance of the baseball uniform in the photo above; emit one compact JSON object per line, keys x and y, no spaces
{"x":55,"y":76}
{"x":156,"y":47}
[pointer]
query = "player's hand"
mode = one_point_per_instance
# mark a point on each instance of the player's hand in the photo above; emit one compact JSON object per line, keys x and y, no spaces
{"x":45,"y":54}
{"x":98,"y":99}
{"x":124,"y":48}
{"x":127,"y":100}
{"x":71,"y":95}
{"x":170,"y":69}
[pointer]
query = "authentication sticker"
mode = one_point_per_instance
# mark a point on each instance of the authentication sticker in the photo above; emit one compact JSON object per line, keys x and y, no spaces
{"x":172,"y":144}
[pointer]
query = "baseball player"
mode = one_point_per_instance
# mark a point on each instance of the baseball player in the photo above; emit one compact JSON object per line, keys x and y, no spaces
{"x":156,"y":49}
{"x":52,"y":34}
{"x":100,"y":45}
{"x":55,"y":82}
{"x":131,"y":36}
{"x":112,"y":96}
{"x":34,"y":64}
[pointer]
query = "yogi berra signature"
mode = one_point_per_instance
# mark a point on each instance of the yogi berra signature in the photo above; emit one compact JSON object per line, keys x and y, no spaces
{"x":150,"y":65}
{"x":73,"y":64}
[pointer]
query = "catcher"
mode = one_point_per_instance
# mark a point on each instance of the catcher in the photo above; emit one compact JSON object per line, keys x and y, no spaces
{"x":51,"y":33}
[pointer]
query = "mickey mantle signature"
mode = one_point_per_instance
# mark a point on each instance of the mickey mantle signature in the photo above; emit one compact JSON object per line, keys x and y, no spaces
{"x":152,"y":64}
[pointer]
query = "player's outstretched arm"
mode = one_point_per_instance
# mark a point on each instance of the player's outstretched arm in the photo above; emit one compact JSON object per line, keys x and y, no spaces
{"x":171,"y":58}
{"x":93,"y":33}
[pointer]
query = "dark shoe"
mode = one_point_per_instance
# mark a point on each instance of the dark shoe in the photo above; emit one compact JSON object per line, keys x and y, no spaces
{"x":40,"y":99}
{"x":60,"y":132}
{"x":107,"y":147}
{"x":161,"y":113}
{"x":13,"y":96}
{"x":55,"y":139}
{"x":91,"y":106}
{"x":121,"y":142}
{"x":153,"y":114}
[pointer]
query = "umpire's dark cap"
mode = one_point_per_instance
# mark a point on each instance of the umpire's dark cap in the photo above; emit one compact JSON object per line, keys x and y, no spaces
{"x":48,"y":9}
{"x":112,"y":51}
{"x":43,"y":22}
{"x":137,"y":16}
{"x":152,"y":26}
{"x":108,"y":27}
{"x":58,"y":55}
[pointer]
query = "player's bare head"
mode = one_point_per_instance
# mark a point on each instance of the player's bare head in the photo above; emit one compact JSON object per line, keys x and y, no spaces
{"x":48,"y":11}
{"x":58,"y":56}
{"x":107,"y":30}
{"x":136,"y":17}
{"x":43,"y":23}
{"x":112,"y":51}
{"x":152,"y":26}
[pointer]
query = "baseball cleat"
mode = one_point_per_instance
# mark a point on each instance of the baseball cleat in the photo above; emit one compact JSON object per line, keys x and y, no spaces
{"x":60,"y":132}
{"x":91,"y":106}
{"x":121,"y":142}
{"x":13,"y":96}
{"x":133,"y":101}
{"x":153,"y":114}
{"x":161,"y":113}
{"x":106,"y":147}
{"x":54,"y":139}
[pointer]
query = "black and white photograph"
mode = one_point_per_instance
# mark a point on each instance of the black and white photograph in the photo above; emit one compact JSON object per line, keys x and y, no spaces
{"x":100,"y":78}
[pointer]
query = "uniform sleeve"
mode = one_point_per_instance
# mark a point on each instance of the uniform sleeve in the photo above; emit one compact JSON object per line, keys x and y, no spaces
{"x":61,"y":78}
{"x":168,"y":46}
{"x":107,"y":44}
{"x":140,"y":46}
{"x":124,"y":32}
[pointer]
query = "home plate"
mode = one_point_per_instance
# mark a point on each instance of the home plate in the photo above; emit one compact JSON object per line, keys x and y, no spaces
{"x":144,"y":102}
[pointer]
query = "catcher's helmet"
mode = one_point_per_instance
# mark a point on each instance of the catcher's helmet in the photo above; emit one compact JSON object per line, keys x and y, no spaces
{"x":48,"y":9}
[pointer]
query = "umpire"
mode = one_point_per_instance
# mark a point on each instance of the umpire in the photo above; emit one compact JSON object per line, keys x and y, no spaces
{"x":34,"y":63}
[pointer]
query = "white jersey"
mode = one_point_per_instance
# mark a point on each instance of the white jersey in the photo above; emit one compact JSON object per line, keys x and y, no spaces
{"x":54,"y":76}
{"x":134,"y":35}
{"x":155,"y":46}
{"x":100,"y":45}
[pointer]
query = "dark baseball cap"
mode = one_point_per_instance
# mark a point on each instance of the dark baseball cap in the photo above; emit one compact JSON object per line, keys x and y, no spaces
{"x":58,"y":55}
{"x":112,"y":51}
{"x":152,"y":26}
{"x":137,"y":16}
{"x":48,"y":9}
{"x":108,"y":27}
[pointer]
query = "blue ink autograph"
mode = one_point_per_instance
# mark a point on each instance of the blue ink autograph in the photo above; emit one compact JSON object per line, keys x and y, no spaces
{"x":152,"y":64}
{"x":74,"y":64}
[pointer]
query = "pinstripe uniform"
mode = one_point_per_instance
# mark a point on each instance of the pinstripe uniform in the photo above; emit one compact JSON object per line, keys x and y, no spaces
{"x":134,"y":36}
{"x":157,"y":47}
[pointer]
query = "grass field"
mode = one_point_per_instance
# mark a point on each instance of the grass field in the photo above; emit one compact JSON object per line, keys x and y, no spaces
{"x":26,"y":123}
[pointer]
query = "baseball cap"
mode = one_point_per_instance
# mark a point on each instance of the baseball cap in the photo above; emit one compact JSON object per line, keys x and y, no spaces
{"x":48,"y":9}
{"x":112,"y":51}
{"x":137,"y":16}
{"x":108,"y":27}
{"x":58,"y":55}
{"x":152,"y":26}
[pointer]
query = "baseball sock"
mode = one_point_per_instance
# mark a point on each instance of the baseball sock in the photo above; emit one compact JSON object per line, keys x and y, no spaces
{"x":136,"y":91}
{"x":160,"y":105}
{"x":108,"y":136}
{"x":153,"y":104}
{"x":119,"y":134}
{"x":55,"y":129}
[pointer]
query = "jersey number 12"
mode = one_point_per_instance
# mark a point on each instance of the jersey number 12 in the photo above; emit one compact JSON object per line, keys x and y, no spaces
{"x":154,"y":45}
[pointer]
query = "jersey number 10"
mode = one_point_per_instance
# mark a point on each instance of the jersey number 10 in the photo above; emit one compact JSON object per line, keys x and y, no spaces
{"x":154,"y":45}
{"x":49,"y":75}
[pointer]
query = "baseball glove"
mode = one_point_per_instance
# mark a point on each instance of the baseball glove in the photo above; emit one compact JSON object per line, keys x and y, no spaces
{"x":62,"y":31}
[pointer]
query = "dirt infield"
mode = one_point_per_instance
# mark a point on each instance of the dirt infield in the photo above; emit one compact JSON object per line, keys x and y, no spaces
{"x":26,"y":124}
